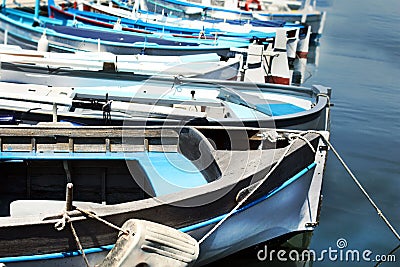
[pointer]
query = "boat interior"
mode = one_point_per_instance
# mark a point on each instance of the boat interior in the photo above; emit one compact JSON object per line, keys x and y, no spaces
{"x":151,"y":101}
{"x":110,"y":166}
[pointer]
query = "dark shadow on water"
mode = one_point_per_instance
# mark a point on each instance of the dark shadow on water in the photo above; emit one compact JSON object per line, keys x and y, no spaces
{"x":392,"y":252}
{"x":265,"y":254}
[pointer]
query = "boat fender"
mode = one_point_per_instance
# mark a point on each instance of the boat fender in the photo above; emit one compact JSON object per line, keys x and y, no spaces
{"x":43,"y":43}
{"x":248,"y":2}
{"x":202,"y":35}
{"x":117,"y":26}
{"x":153,"y":245}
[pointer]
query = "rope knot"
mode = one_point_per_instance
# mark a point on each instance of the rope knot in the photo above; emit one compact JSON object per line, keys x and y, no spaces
{"x":60,"y":224}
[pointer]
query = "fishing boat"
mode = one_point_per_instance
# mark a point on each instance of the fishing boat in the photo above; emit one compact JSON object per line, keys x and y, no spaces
{"x":166,"y":101}
{"x":28,"y":66}
{"x":26,"y":30}
{"x":153,"y":22}
{"x":298,"y":36}
{"x":229,"y":10}
{"x":186,"y":28}
{"x":185,"y":178}
{"x":269,"y":65}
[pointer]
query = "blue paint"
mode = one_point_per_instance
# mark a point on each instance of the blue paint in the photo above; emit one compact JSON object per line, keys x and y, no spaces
{"x":171,"y":172}
{"x":66,"y":155}
{"x":184,"y":229}
{"x":37,"y":7}
{"x":51,"y":256}
{"x":212,"y":57}
{"x":279,"y":109}
{"x":243,"y":112}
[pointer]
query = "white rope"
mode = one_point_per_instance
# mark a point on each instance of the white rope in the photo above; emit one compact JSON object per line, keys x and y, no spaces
{"x":78,"y":243}
{"x":380,"y":213}
{"x":60,"y":225}
{"x":292,"y":138}
{"x":93,"y":216}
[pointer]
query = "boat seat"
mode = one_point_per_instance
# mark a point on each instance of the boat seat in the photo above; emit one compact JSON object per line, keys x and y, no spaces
{"x":171,"y":172}
{"x":279,"y":109}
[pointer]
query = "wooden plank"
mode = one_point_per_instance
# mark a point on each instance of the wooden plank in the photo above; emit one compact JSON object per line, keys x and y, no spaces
{"x":89,"y":148}
{"x":33,"y":144}
{"x":71,"y":144}
{"x":108,"y":144}
{"x":87,"y":132}
{"x":126,"y":148}
{"x":16,"y":147}
{"x":163,"y":148}
{"x":57,"y":147}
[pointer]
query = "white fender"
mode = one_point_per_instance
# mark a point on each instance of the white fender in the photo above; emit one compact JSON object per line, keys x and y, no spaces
{"x":43,"y":43}
{"x":153,"y":245}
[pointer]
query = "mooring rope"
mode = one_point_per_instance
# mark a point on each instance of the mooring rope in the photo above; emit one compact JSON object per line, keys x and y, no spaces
{"x":292,"y":137}
{"x":78,"y":243}
{"x":60,"y":225}
{"x":299,"y":135}
{"x":371,"y":201}
{"x":93,"y":216}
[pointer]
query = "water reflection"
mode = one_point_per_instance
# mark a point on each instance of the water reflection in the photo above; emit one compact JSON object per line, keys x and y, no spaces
{"x":303,"y":68}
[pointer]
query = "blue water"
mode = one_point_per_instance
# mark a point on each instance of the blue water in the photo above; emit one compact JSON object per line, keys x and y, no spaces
{"x":359,"y":57}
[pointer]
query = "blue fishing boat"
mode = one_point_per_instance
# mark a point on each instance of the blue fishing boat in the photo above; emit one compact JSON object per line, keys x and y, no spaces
{"x":166,"y":101}
{"x":219,"y":185}
{"x":229,"y":10}
{"x":262,"y":32}
{"x":193,"y":28}
{"x":26,"y":30}
{"x":87,"y":68}
{"x":298,"y":35}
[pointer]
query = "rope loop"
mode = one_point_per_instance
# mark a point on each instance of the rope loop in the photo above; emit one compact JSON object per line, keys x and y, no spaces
{"x":60,"y":224}
{"x":294,"y":136}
